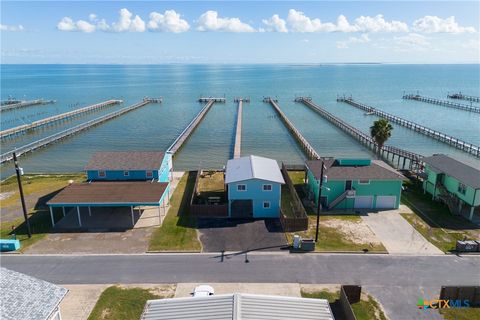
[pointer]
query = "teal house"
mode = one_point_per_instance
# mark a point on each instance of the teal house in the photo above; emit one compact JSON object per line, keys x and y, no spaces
{"x":455,"y":183}
{"x":254,"y":187}
{"x":131,"y":165}
{"x":354,"y":184}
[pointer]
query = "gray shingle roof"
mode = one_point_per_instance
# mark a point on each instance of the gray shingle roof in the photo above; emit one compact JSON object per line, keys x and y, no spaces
{"x":126,"y":160}
{"x":377,"y":170}
{"x":464,"y":173}
{"x":238,"y":306}
{"x":253,"y":167}
{"x":27,"y":298}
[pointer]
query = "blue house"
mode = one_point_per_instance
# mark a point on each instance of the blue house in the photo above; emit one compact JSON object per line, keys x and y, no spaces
{"x":254,"y":187}
{"x":124,"y":166}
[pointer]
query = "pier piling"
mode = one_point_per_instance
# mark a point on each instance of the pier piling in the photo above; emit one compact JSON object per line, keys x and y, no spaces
{"x":434,"y":134}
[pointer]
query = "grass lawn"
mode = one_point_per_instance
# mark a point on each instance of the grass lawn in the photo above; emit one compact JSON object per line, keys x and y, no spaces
{"x":178,"y":231}
{"x":461,"y":314}
{"x":287,"y":201}
{"x":38,"y":189}
{"x":118,"y":303}
{"x":366,"y":309}
{"x":297,"y":178}
{"x":334,"y":238}
{"x":211,"y":184}
{"x":434,"y":221}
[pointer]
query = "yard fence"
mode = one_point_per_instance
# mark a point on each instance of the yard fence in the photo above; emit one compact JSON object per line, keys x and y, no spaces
{"x":470,"y":293}
{"x":206,"y":210}
{"x":349,"y":295}
{"x":299,"y":220}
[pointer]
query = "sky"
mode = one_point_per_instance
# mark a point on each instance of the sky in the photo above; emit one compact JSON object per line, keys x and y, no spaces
{"x":153,"y":32}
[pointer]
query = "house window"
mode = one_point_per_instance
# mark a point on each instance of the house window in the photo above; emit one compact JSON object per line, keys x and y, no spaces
{"x":366,"y":181}
{"x":267,"y":187}
{"x":462,"y":188}
{"x":149,"y":174}
{"x":101,"y":174}
{"x":241,"y":187}
{"x":266,"y":204}
{"x":126,"y":173}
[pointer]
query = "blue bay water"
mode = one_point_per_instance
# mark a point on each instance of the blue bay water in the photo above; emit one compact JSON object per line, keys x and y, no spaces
{"x":155,"y":126}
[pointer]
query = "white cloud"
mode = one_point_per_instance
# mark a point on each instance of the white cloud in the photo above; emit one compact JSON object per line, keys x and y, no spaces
{"x":126,"y":23}
{"x":5,"y":27}
{"x":434,"y":24}
{"x":275,"y":24}
{"x":345,"y":44}
{"x":67,"y":24}
{"x":412,"y":39}
{"x":170,"y":21}
{"x":209,"y":21}
{"x":92,"y":17}
{"x":299,"y":22}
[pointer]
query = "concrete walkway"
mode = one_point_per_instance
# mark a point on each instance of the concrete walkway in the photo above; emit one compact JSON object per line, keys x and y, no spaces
{"x":397,"y":235}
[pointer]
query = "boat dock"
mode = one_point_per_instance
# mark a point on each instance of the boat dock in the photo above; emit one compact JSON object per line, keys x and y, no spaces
{"x":461,"y":96}
{"x":50,"y":120}
{"x":363,"y":138}
{"x":185,"y":134}
{"x":445,"y":103}
{"x":309,"y":150}
{"x":238,"y":131}
{"x":434,"y":134}
{"x":7,"y":156}
{"x":208,"y":99}
{"x":153,"y":100}
{"x":21,"y":104}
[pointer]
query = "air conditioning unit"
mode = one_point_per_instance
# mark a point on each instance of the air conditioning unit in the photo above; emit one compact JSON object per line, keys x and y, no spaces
{"x":350,"y":193}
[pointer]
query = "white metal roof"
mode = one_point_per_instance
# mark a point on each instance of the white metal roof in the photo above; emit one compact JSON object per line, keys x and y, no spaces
{"x":253,"y":167}
{"x":238,"y":306}
{"x":27,"y":298}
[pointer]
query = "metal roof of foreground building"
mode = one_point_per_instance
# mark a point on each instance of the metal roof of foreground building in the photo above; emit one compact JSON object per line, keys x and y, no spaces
{"x":125,"y":160}
{"x":238,"y":306}
{"x":253,"y":167}
{"x":27,"y":298}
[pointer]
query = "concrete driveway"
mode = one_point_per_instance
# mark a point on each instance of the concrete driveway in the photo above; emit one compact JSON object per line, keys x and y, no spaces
{"x":219,"y":235}
{"x":397,"y":235}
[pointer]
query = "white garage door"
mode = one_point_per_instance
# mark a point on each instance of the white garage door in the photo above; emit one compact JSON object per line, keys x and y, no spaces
{"x":386,"y":202}
{"x":363,"y":202}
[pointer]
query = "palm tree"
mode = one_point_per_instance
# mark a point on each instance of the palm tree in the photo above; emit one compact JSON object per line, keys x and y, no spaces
{"x":380,"y":132}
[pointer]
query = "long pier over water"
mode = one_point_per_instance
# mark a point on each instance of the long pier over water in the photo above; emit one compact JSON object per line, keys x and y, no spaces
{"x":309,"y":150}
{"x":185,"y":134}
{"x":434,"y":134}
{"x":22,"y":104}
{"x":414,"y":158}
{"x":445,"y":103}
{"x":237,"y":148}
{"x":461,"y":96}
{"x":50,"y":120}
{"x":7,"y":156}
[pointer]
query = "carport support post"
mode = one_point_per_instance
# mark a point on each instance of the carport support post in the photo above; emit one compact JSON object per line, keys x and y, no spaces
{"x":319,"y":202}
{"x":63,"y":211}
{"x":89,"y":211}
{"x":51,"y":216}
{"x":78,"y":215}
{"x":133,"y":219}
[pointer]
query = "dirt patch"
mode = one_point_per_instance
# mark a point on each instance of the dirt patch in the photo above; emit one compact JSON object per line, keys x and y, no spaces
{"x":355,"y":231}
{"x":161,"y":290}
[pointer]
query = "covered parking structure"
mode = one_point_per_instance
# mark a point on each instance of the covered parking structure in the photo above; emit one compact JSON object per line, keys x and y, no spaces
{"x":112,"y":194}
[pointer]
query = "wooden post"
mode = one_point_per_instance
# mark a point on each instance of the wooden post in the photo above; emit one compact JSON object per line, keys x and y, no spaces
{"x":63,"y":211}
{"x":89,"y":211}
{"x":51,"y":216}
{"x":78,"y":215}
{"x":133,"y":218}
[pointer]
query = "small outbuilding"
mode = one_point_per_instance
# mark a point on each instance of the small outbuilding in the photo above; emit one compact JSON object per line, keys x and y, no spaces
{"x":129,"y":165}
{"x":28,"y":298}
{"x":354,"y":184}
{"x":254,"y":187}
{"x":454,"y":182}
{"x":238,"y":306}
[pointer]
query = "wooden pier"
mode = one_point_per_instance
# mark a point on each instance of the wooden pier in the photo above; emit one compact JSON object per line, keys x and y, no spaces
{"x":185,"y":134}
{"x":50,"y":120}
{"x":208,"y":99}
{"x":414,"y":160}
{"x":238,"y":132}
{"x":309,"y":150}
{"x":461,"y":96}
{"x":9,"y":101}
{"x":153,"y":100}
{"x":434,"y":134}
{"x":445,"y":103}
{"x":22,"y":104}
{"x":7,"y":156}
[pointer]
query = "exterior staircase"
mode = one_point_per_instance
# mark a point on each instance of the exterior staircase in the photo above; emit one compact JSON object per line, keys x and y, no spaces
{"x":340,"y":198}
{"x":450,"y":200}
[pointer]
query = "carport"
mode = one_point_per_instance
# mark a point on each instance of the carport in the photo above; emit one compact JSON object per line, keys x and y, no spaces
{"x":111,"y":194}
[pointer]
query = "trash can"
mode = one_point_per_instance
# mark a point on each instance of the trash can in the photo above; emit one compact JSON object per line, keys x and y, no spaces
{"x":307,"y":245}
{"x":9,"y":245}
{"x":296,"y":241}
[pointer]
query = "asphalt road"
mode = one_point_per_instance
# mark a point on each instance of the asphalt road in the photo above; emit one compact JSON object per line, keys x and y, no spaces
{"x":397,"y":281}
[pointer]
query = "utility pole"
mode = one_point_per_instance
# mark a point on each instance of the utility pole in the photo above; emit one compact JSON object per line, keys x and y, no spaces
{"x":19,"y":172}
{"x":319,"y":201}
